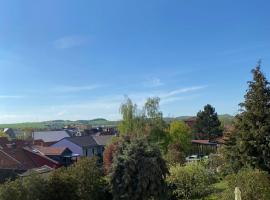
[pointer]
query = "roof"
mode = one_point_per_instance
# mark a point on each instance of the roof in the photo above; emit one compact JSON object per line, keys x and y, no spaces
{"x":204,"y":142}
{"x":103,"y":140}
{"x":83,"y":141}
{"x":50,"y":136}
{"x":50,"y":151}
{"x":39,"y":170}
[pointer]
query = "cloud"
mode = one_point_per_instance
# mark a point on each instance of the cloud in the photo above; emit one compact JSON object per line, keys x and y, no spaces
{"x":153,"y":82}
{"x":181,"y":91}
{"x":76,"y":88}
{"x":106,"y":106}
{"x":70,"y":41}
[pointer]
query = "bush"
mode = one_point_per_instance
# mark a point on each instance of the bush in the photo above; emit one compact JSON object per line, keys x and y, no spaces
{"x":253,"y":184}
{"x":29,"y":188}
{"x":189,"y":182}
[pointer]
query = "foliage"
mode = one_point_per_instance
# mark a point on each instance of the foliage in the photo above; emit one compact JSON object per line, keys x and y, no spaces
{"x":3,"y":134}
{"x":192,"y":181}
{"x":109,"y":153}
{"x":90,"y":182}
{"x":253,"y":184}
{"x":180,"y":133}
{"x":251,"y":140}
{"x":175,"y":154}
{"x":138,"y":172}
{"x":207,"y":123}
{"x":62,"y":186}
{"x":83,"y":181}
{"x":145,"y":123}
{"x":29,"y":188}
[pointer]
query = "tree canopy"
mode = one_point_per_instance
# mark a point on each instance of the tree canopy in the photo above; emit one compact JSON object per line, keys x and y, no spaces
{"x":138,"y":172}
{"x":207,"y":123}
{"x":251,"y":139}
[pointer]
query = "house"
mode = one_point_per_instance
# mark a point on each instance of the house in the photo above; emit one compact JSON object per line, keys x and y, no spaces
{"x":203,"y":147}
{"x":191,"y":121}
{"x":63,"y":155}
{"x":50,"y":137}
{"x":10,"y":132}
{"x":85,"y":145}
{"x":43,"y":171}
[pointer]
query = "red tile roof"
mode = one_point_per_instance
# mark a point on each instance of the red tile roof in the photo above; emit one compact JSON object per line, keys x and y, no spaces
{"x":50,"y":151}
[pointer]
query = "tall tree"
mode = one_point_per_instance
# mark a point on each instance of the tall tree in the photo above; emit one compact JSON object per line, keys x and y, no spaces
{"x":138,"y":172}
{"x":252,"y":126}
{"x":208,"y":124}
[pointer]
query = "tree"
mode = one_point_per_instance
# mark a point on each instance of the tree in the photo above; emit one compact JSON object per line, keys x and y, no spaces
{"x":147,"y":122}
{"x":62,"y":186}
{"x":138,"y":172}
{"x":208,"y":124}
{"x":180,"y":133}
{"x":29,"y":188}
{"x":179,"y":142}
{"x":132,"y":122}
{"x":252,"y":126}
{"x":155,"y":125}
{"x":89,"y":176}
{"x":109,"y":153}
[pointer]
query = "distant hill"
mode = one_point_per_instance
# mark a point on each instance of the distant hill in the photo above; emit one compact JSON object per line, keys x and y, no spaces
{"x":58,"y":124}
{"x":225,"y":119}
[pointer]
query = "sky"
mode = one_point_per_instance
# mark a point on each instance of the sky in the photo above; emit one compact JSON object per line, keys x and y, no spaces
{"x":65,"y":59}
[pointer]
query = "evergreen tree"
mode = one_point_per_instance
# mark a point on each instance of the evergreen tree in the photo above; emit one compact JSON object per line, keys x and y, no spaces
{"x":208,"y":124}
{"x":138,"y":172}
{"x":252,"y":127}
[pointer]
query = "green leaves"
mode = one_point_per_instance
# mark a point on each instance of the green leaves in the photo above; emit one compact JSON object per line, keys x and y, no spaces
{"x":208,"y":124}
{"x":249,"y":142}
{"x":138,"y":172}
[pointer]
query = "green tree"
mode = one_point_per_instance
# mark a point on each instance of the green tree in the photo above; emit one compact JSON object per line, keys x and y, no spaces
{"x":62,"y":186}
{"x":147,"y":122}
{"x":132,"y":122}
{"x":207,"y":123}
{"x":89,"y":176}
{"x":29,"y":188}
{"x":179,"y":142}
{"x":251,"y":141}
{"x":155,"y":125}
{"x":12,"y":190}
{"x":179,"y":132}
{"x":138,"y":172}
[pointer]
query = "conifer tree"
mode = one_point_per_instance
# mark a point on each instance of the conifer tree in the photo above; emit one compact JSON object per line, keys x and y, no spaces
{"x":208,"y":124}
{"x":250,"y":141}
{"x":252,"y":126}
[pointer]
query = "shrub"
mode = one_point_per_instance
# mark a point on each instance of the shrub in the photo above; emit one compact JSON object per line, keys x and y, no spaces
{"x":90,"y":182}
{"x":189,"y":182}
{"x":253,"y":184}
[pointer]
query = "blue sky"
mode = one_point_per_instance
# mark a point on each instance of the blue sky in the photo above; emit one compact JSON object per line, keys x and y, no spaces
{"x":64,"y":59}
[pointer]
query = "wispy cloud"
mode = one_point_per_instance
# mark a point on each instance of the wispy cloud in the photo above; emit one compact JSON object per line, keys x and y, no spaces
{"x":76,"y":88}
{"x":70,"y":41}
{"x":153,"y":82}
{"x":181,"y":91}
